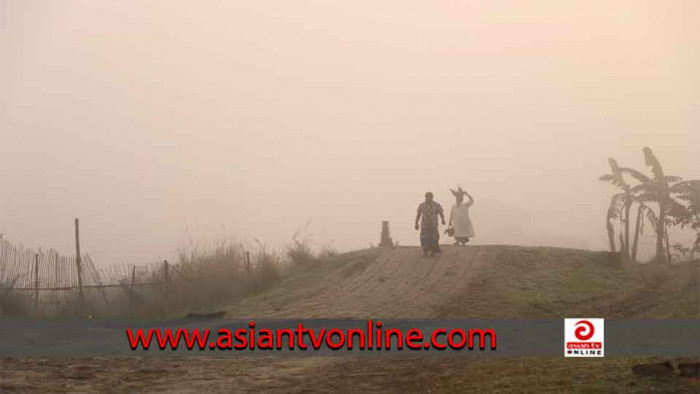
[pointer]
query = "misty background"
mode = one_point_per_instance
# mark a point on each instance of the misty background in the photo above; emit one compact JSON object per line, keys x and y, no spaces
{"x":161,"y":123}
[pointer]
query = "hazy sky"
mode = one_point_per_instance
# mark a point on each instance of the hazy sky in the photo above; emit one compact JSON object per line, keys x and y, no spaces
{"x":151,"y":120}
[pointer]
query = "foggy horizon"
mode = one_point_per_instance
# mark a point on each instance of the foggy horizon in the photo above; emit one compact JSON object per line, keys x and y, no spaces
{"x":159,"y":123}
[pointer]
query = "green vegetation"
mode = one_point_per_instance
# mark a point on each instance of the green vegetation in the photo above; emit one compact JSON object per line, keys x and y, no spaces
{"x":677,"y":201}
{"x":551,"y":282}
{"x":513,"y":281}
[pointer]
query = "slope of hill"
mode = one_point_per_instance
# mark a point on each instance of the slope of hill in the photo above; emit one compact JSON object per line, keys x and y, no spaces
{"x":477,"y":281}
{"x":472,"y":281}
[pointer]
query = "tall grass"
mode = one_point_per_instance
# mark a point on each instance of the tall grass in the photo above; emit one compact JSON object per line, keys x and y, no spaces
{"x":206,"y":280}
{"x":202,"y":280}
{"x":300,"y":253}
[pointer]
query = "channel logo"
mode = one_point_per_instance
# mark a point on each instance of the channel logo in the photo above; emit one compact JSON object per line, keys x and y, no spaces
{"x":584,"y":337}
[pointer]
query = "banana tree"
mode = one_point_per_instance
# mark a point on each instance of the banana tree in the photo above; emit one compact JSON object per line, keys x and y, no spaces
{"x":628,"y":197}
{"x":643,"y":211}
{"x":617,"y":178}
{"x":642,"y":194}
{"x":614,"y":212}
{"x":621,"y":204}
{"x":688,"y":194}
{"x":659,"y":189}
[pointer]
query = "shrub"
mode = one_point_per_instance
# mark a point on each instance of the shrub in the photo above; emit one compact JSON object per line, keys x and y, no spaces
{"x":206,"y":280}
{"x":300,"y":254}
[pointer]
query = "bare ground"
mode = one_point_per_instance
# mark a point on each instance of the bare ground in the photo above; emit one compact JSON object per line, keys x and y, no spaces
{"x":319,"y":374}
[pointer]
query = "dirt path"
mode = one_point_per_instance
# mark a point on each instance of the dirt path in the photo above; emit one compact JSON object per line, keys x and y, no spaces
{"x":399,"y":284}
{"x":328,"y":375}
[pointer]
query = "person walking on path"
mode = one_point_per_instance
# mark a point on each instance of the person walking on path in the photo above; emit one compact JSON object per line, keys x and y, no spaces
{"x":428,"y":212}
{"x":460,"y":222}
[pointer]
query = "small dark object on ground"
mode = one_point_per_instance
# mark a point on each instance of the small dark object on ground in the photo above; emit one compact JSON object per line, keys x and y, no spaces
{"x":385,"y":240}
{"x":215,"y":315}
{"x":689,"y":369}
{"x":656,"y":369}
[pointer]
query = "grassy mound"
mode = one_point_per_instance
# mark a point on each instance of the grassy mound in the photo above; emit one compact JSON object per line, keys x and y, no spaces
{"x":473,"y":281}
{"x":477,"y":281}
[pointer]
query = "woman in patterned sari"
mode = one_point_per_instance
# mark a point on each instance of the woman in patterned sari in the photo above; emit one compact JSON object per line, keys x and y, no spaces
{"x":428,"y":212}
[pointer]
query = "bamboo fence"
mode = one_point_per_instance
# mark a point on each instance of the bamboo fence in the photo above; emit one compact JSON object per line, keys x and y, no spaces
{"x":50,"y":284}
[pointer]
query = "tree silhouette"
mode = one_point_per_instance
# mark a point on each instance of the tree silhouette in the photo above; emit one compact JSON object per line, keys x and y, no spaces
{"x":678,"y":204}
{"x":620,"y":206}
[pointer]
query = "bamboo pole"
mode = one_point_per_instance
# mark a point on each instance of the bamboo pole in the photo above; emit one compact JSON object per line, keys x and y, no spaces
{"x":36,"y":284}
{"x":165,"y":286}
{"x":167,"y":279}
{"x":59,"y":275}
{"x":78,"y":264}
{"x":131,"y":288}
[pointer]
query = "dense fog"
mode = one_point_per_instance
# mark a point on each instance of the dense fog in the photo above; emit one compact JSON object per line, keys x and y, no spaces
{"x":163,"y":123}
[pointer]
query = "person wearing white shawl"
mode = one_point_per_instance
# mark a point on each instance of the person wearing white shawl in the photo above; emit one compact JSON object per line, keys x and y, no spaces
{"x":460,"y":225}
